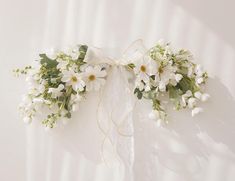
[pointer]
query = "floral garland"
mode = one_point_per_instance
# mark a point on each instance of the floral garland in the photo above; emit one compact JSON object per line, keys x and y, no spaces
{"x":61,"y":80}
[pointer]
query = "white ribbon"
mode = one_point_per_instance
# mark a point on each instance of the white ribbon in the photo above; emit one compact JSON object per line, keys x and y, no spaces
{"x":117,"y":104}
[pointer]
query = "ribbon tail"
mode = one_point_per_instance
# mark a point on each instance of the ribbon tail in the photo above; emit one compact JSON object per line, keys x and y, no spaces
{"x":117,"y":114}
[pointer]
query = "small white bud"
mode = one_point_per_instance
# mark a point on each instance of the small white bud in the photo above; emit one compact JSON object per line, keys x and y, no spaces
{"x":196,"y":110}
{"x":162,"y":87}
{"x":200,"y":80}
{"x":191,"y":102}
{"x":178,"y":77}
{"x":75,"y":107}
{"x":198,"y":95}
{"x":205,"y":97}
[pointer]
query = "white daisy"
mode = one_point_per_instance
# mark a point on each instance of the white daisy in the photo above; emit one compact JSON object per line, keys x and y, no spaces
{"x":165,"y":76}
{"x":94,"y":77}
{"x":73,"y":79}
{"x":144,"y":68}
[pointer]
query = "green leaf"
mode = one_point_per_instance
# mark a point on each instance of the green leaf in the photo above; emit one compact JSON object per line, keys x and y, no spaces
{"x":68,"y":115}
{"x":83,"y":51}
{"x":156,"y":104}
{"x":183,"y":70}
{"x":150,"y":94}
{"x":187,"y":84}
{"x":138,"y":93}
{"x":49,"y":63}
{"x":174,"y":92}
{"x":131,"y":65}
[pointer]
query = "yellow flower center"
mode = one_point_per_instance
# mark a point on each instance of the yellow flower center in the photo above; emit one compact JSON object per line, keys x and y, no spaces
{"x":91,"y":77}
{"x":74,"y":79}
{"x":143,"y":68}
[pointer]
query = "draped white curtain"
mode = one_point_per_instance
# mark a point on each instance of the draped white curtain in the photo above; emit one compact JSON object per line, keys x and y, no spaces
{"x":188,"y":149}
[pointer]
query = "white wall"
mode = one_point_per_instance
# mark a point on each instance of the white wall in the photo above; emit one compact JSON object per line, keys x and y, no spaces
{"x":206,"y":27}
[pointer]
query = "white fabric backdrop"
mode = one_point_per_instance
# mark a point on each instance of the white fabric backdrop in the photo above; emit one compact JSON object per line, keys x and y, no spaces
{"x":205,"y":27}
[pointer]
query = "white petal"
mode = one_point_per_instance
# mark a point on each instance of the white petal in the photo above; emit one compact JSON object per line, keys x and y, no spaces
{"x":191,"y":102}
{"x":147,"y":88}
{"x":188,"y":93}
{"x":60,"y":87}
{"x":102,"y":73}
{"x":50,"y":90}
{"x":196,"y":110}
{"x":89,"y":69}
{"x":75,"y":87}
{"x":65,"y":79}
{"x":205,"y":97}
{"x":198,"y":95}
{"x":199,"y":80}
{"x":38,"y":100}
{"x":47,"y":102}
{"x":80,"y":87}
{"x":178,"y":77}
{"x":75,"y":107}
{"x":74,"y":56}
{"x":139,"y":84}
{"x":162,"y":86}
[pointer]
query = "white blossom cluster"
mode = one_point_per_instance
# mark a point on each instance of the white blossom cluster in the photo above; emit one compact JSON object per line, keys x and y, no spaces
{"x":163,"y":72}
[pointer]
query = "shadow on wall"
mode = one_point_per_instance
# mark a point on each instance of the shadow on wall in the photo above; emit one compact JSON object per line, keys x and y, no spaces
{"x":180,"y":146}
{"x":217,"y":120}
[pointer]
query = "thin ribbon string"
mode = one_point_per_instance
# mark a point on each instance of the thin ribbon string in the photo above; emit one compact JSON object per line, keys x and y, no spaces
{"x":97,"y":57}
{"x":133,"y":53}
{"x":118,"y":126}
{"x":105,"y":133}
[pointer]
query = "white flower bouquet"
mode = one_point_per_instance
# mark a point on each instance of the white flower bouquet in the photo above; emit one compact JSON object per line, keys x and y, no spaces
{"x":59,"y":82}
{"x":162,"y":72}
